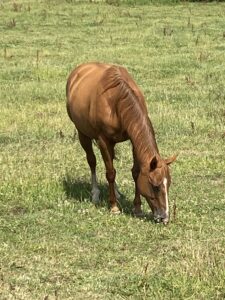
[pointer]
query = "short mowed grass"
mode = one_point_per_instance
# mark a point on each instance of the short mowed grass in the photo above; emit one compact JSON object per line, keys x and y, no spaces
{"x":54,"y":243}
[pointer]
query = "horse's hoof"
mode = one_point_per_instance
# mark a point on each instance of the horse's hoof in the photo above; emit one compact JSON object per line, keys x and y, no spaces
{"x":95,"y":196}
{"x":115,"y":210}
{"x":138,"y":213}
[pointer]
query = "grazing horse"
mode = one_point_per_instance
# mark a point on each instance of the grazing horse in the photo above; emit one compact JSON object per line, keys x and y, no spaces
{"x":106,"y":105}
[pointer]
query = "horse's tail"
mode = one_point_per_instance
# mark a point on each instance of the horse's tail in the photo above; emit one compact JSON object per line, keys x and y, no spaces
{"x":68,"y":87}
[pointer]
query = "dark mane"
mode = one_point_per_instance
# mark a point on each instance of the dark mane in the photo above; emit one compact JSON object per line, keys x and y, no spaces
{"x":124,"y":101}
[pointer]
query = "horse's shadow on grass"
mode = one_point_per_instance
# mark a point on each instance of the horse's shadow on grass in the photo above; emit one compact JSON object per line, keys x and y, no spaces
{"x":80,"y":190}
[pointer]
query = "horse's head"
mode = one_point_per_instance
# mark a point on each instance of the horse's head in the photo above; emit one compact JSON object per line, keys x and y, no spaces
{"x":153,"y":183}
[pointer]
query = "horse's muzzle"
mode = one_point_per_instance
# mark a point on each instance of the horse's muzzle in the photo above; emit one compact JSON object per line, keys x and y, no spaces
{"x":161,"y":219}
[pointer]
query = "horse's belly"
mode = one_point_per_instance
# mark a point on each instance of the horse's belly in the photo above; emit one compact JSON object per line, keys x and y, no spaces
{"x":93,"y":125}
{"x":82,"y":120}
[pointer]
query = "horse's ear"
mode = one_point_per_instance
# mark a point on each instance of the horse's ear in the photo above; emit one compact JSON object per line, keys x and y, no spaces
{"x":153,"y":163}
{"x":155,"y":176}
{"x":171,"y":159}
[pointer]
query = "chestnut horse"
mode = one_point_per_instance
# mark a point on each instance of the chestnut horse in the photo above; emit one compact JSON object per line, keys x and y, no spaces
{"x":106,"y":105}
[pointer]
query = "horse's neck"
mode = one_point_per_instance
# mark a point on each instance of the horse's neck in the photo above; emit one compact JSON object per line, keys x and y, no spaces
{"x":139,"y":129}
{"x":143,"y":141}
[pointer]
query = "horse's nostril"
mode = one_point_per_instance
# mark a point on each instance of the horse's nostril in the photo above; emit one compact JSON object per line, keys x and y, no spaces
{"x":158,"y":220}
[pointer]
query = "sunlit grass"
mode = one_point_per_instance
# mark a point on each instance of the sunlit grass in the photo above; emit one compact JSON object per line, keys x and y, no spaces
{"x":54,"y":243}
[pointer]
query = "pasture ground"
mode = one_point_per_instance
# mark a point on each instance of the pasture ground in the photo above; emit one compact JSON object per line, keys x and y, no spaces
{"x":54,"y":243}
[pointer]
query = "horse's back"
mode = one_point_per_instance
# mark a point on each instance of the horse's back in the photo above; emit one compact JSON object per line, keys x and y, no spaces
{"x":82,"y":81}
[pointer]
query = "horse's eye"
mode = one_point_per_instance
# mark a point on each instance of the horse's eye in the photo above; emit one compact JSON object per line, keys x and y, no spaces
{"x":156,"y":189}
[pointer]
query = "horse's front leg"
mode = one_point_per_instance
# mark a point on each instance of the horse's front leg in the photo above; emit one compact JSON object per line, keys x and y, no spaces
{"x":86,"y":143}
{"x":137,"y":198}
{"x":107,"y":151}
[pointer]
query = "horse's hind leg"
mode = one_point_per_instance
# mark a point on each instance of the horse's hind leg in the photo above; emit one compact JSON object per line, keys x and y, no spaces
{"x":86,"y":144}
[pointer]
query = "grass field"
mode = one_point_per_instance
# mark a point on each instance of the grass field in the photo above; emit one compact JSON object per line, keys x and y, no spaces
{"x":54,"y":243}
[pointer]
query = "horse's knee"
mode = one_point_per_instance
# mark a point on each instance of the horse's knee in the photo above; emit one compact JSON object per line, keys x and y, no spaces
{"x":111,"y":175}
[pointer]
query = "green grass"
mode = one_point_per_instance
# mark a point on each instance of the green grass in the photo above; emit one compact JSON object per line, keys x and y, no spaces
{"x":54,"y":243}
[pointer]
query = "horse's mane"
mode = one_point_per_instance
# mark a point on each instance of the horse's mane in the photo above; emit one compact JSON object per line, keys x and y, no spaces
{"x":124,"y":101}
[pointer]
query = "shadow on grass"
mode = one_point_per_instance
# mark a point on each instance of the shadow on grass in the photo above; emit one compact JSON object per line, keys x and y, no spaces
{"x":79,"y":190}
